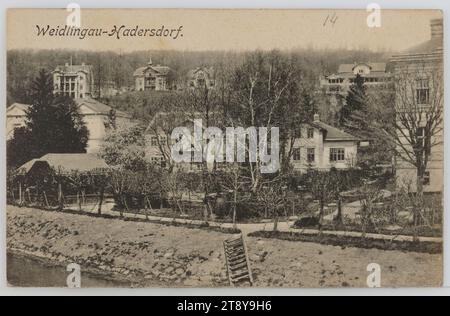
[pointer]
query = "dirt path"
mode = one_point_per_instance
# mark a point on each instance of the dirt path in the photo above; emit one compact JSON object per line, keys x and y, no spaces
{"x":283,"y":226}
{"x":159,"y":255}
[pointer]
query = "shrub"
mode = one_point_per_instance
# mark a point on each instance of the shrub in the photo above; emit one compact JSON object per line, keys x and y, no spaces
{"x":307,"y":222}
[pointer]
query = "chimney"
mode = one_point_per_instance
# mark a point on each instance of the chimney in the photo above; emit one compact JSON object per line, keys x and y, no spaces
{"x":316,"y":118}
{"x":437,"y":28}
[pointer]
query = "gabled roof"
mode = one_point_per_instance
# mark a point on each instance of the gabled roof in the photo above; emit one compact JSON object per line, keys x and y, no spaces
{"x":98,"y":107}
{"x":332,"y":133}
{"x":73,"y":68}
{"x":94,"y":105}
{"x":67,"y":162}
{"x":162,"y":70}
{"x":183,"y":118}
{"x":374,"y":67}
{"x":431,"y":46}
{"x":209,"y":71}
{"x":20,"y":106}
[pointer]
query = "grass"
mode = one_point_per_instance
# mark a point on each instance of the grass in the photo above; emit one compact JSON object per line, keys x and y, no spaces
{"x":204,"y":225}
{"x":423,"y":231}
{"x":357,"y":242}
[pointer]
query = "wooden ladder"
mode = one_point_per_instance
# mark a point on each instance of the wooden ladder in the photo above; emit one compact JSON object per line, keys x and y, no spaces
{"x":238,"y":264}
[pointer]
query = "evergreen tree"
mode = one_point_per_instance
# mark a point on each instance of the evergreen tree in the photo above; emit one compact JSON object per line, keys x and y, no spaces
{"x":308,"y":105}
{"x":70,"y":134}
{"x":53,"y":126}
{"x":352,"y":113}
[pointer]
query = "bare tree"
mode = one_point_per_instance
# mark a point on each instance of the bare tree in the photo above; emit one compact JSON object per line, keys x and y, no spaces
{"x":415,"y":126}
{"x":174,"y":186}
{"x":322,"y":191}
{"x":369,"y":195}
{"x":273,"y":197}
{"x":232,"y":180}
{"x":265,"y":92}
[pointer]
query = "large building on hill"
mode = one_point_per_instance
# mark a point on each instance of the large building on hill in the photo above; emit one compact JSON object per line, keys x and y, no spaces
{"x":152,"y":78}
{"x":75,"y":81}
{"x":419,"y":88}
{"x":375,"y":76}
{"x":95,"y":115}
{"x":201,"y":77}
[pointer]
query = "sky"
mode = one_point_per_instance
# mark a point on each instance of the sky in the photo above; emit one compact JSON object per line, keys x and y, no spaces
{"x":240,"y":30}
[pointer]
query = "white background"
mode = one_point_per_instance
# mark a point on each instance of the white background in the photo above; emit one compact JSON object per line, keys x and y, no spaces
{"x":330,"y":4}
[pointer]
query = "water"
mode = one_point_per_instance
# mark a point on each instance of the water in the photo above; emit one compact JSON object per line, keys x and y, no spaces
{"x":29,"y":272}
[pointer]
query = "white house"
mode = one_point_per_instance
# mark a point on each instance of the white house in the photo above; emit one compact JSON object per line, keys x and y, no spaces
{"x":202,"y":77}
{"x":15,"y":118}
{"x":152,"y":77}
{"x":75,"y":81}
{"x":419,"y":84}
{"x":94,"y":114}
{"x":321,"y":146}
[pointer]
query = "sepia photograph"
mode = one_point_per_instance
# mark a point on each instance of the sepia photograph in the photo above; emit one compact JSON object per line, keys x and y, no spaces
{"x":201,"y":148}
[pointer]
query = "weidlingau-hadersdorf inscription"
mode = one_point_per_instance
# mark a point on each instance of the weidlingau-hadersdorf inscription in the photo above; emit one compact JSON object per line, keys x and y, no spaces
{"x":116,"y":31}
{"x":225,"y":148}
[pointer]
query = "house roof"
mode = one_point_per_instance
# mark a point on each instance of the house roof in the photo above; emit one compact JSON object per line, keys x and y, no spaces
{"x":73,"y":68}
{"x":162,"y":70}
{"x":434,"y":45}
{"x":20,"y":106}
{"x":182,"y":118}
{"x":374,"y":67}
{"x":334,"y":134}
{"x":94,"y":105}
{"x":209,"y":71}
{"x":98,"y":107}
{"x":429,"y":46}
{"x":67,"y":162}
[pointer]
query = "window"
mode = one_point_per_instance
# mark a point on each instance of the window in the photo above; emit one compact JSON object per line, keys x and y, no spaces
{"x":154,"y":141}
{"x":337,"y":154}
{"x":310,"y":133}
{"x":297,"y":154}
{"x":335,"y":89}
{"x":426,"y":178}
{"x":422,"y":91}
{"x":311,"y":155}
{"x":298,"y":133}
{"x":163,"y":141}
